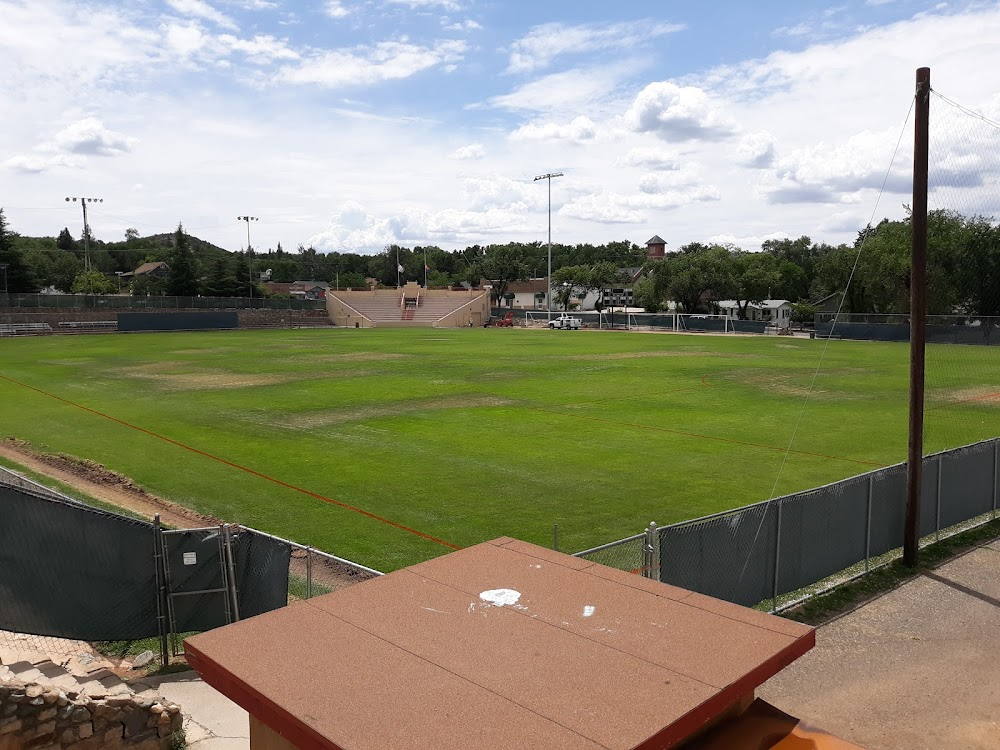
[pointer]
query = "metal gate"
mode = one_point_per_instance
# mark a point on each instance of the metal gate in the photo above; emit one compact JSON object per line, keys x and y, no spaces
{"x":198,"y":582}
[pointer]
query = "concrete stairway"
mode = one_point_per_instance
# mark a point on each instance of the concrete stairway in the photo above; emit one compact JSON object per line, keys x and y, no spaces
{"x":79,"y":673}
{"x":387,"y":311}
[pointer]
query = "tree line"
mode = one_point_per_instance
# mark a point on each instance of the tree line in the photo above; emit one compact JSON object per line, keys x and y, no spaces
{"x":963,"y":268}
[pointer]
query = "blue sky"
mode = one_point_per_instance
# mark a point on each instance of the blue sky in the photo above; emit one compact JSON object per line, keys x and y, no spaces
{"x":350,"y":125}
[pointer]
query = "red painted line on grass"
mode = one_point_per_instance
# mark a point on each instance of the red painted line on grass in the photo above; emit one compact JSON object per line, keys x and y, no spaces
{"x":706,"y":437}
{"x":315,"y":495}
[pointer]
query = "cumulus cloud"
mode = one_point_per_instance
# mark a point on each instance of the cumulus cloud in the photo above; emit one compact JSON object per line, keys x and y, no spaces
{"x":835,"y":174}
{"x":417,"y":4}
{"x":678,"y":113}
{"x":655,"y":183}
{"x":89,"y":136}
{"x":363,"y":66}
{"x":201,"y":9}
{"x":543,"y":44}
{"x":746,"y":242}
{"x":653,"y":158}
{"x":582,"y":128}
{"x":466,"y":25}
{"x":38,"y":163}
{"x":336,"y":9}
{"x":469,"y":151}
{"x":495,"y":191}
{"x":355,"y":229}
{"x":756,"y":150}
{"x":618,"y":208}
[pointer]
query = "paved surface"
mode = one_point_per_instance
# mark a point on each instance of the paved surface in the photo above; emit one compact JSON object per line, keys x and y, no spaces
{"x":211,"y":720}
{"x":916,"y":669}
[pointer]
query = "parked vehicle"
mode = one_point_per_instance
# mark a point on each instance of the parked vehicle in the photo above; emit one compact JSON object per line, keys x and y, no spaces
{"x":565,"y":323}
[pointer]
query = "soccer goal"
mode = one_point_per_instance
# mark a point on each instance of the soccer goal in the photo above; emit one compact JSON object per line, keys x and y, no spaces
{"x":537,"y":318}
{"x":702,"y":323}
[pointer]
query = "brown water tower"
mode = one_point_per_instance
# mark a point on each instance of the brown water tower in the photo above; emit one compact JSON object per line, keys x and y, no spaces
{"x":655,"y":248}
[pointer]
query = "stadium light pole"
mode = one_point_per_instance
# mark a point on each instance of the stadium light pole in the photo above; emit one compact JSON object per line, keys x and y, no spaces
{"x":248,"y":219}
{"x":3,"y":267}
{"x":86,"y":228}
{"x":548,"y":293}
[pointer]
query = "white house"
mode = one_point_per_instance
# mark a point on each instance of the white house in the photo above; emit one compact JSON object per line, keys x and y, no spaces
{"x":777,"y":312}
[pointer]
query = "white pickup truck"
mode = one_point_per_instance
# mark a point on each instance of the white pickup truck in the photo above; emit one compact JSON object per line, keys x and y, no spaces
{"x":565,"y":323}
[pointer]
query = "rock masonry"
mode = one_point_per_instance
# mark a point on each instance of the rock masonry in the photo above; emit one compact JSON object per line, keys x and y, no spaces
{"x":36,"y":717}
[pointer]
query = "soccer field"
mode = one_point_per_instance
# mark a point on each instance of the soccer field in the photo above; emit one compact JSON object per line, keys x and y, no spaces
{"x":470,"y":434}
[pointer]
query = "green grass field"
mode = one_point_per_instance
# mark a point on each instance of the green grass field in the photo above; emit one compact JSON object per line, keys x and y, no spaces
{"x":471,"y":434}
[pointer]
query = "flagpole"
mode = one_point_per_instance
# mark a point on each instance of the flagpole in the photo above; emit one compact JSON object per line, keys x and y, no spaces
{"x":425,"y":267}
{"x":398,"y":282}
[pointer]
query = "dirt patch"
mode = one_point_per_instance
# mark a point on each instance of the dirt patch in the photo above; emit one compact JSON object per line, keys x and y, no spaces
{"x":790,"y":383}
{"x":100,"y":483}
{"x":342,"y":416}
{"x":983,"y":395}
{"x":194,"y":380}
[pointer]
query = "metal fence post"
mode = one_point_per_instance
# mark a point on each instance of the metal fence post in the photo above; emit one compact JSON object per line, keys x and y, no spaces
{"x":647,"y":552}
{"x":161,"y":615}
{"x":654,"y":568}
{"x":309,"y":572}
{"x":868,"y":521}
{"x":777,"y":557}
{"x":937,"y":512}
{"x":995,"y":455}
{"x":231,"y":573}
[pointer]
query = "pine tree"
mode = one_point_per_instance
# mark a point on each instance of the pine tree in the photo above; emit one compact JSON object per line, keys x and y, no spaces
{"x":183,"y":279}
{"x":65,"y":240}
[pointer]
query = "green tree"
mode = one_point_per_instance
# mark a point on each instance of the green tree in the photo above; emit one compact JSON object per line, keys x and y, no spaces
{"x":221,"y":280}
{"x":131,"y":235}
{"x":183,"y":278}
{"x":570,"y":282}
{"x":752,"y":276}
{"x":93,"y":282}
{"x":147,"y":286}
{"x":65,"y":240}
{"x":17,"y":277}
{"x":501,"y":265}
{"x":690,"y":274}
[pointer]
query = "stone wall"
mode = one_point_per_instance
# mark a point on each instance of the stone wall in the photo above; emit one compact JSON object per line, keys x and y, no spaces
{"x":33,"y":717}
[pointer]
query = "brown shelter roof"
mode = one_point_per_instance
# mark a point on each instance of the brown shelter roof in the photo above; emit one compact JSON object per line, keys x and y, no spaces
{"x":500,"y":645}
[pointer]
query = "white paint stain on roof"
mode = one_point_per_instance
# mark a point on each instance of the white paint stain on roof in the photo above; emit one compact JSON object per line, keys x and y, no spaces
{"x":589,"y":610}
{"x":500,"y":597}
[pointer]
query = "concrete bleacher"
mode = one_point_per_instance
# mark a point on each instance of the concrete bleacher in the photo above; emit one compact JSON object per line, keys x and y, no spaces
{"x":388,"y":311}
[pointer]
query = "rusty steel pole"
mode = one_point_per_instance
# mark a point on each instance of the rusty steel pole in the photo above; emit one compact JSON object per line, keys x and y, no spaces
{"x":918,"y":317}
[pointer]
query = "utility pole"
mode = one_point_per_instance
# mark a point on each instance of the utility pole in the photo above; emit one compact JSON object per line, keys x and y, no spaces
{"x":248,"y":219}
{"x":548,"y":293}
{"x":86,"y":228}
{"x":918,"y":317}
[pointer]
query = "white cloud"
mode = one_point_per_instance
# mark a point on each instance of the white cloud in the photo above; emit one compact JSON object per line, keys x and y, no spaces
{"x":186,"y":39}
{"x":466,"y":25}
{"x":569,"y":90}
{"x":365,"y":66}
{"x":653,"y":158}
{"x":89,"y":136}
{"x":336,"y":9}
{"x":678,"y":113}
{"x":469,"y":151}
{"x":201,"y":9}
{"x":38,"y":163}
{"x":355,"y":229}
{"x":835,"y":174}
{"x":746,"y":242}
{"x":581,"y":129}
{"x":545,"y":43}
{"x":497,"y":191}
{"x":617,"y":208}
{"x":656,"y":183}
{"x":756,"y":150}
{"x":800,"y":29}
{"x":417,"y":4}
{"x":263,"y":48}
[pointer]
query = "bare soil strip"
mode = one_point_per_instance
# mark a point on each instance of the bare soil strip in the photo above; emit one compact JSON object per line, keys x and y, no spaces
{"x":102,"y":484}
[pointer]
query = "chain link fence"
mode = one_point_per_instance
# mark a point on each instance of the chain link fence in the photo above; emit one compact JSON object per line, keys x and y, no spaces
{"x":635,"y":554}
{"x":71,"y":571}
{"x":127,"y":302}
{"x":784,"y":550}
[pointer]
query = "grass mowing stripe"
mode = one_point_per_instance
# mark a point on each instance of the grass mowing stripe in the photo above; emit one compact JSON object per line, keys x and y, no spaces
{"x":246,"y":469}
{"x":733,"y":441}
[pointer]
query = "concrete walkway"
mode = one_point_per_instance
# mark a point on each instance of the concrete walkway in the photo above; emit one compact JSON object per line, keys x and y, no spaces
{"x":211,"y":720}
{"x":916,"y":669}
